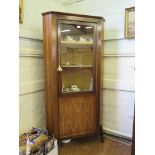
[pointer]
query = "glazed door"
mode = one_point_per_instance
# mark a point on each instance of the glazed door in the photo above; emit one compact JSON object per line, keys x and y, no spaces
{"x":76,"y":56}
{"x":76,"y":70}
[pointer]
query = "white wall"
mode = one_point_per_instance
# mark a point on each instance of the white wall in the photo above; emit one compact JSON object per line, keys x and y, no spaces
{"x":31,"y":65}
{"x":31,"y":72}
{"x":118,"y":74}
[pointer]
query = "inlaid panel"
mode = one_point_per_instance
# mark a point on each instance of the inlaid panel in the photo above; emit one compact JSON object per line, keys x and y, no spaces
{"x":77,"y":115}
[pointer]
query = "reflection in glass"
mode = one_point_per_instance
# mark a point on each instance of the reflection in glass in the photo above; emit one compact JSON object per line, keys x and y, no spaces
{"x":77,"y":57}
{"x":81,"y":80}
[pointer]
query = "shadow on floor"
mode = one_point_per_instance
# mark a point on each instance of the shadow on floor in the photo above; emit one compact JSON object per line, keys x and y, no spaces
{"x":94,"y":146}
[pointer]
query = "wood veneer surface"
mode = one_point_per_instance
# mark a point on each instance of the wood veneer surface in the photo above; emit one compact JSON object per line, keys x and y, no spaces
{"x":77,"y":115}
{"x":61,"y":119}
{"x":93,"y":146}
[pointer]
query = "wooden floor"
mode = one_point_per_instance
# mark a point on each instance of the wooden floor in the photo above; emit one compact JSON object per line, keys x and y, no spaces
{"x":93,"y":146}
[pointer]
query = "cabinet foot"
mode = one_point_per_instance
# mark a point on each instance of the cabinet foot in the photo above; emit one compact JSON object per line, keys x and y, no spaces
{"x":101,"y":134}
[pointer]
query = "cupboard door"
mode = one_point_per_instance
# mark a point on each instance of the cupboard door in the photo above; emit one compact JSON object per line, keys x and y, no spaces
{"x":76,"y":56}
{"x":77,"y":115}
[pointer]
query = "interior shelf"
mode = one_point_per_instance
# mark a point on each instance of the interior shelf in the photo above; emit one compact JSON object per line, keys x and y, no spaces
{"x":74,"y":43}
{"x":71,"y":91}
{"x":78,"y":66}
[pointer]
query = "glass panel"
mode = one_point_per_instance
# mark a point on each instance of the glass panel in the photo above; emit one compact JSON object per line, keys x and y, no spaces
{"x":77,"y":81}
{"x":76,"y":57}
{"x":76,"y":33}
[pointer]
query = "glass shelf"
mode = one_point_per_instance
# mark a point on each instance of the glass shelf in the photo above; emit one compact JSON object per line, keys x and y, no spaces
{"x":76,"y":43}
{"x":73,"y":91}
{"x":77,"y":57}
{"x":78,"y":66}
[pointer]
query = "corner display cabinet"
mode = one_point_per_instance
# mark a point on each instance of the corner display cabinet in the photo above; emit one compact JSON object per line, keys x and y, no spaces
{"x":72,"y":47}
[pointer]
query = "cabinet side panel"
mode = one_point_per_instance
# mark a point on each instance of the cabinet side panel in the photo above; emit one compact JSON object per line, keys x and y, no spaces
{"x":98,"y":69}
{"x":47,"y":74}
{"x":101,"y":75}
{"x":50,"y":50}
{"x":77,"y":115}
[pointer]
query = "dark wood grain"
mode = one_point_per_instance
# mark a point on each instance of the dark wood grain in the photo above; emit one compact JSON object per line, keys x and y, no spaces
{"x":50,"y":44}
{"x":46,"y":40}
{"x":71,"y":14}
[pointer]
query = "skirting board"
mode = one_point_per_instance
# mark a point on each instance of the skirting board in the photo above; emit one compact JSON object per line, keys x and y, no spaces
{"x":117,"y":133}
{"x":117,"y":84}
{"x":30,"y":87}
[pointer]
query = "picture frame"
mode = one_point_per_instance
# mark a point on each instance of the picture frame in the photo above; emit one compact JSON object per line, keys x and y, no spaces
{"x":21,"y":11}
{"x":129,"y":22}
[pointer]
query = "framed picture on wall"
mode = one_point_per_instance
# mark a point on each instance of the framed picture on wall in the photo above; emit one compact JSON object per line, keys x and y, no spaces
{"x":21,"y":11}
{"x":129,"y":22}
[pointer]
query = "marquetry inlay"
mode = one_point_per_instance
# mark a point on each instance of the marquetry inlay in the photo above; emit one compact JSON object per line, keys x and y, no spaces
{"x":77,"y":115}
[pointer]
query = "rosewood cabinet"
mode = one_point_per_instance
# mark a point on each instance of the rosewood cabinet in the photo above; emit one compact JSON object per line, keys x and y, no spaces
{"x":72,"y":47}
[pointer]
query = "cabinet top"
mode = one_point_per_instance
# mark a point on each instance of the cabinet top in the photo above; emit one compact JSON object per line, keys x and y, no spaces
{"x":72,"y":14}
